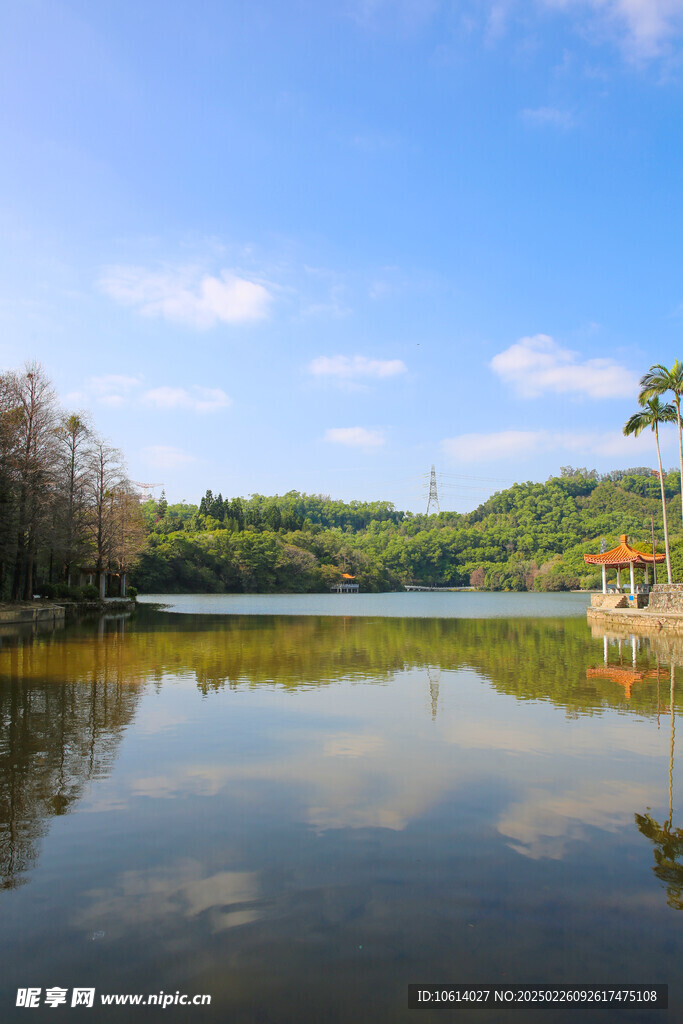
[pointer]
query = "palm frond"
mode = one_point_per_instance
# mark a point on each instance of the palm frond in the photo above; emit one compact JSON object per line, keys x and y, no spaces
{"x":659,"y":379}
{"x":653,"y":413}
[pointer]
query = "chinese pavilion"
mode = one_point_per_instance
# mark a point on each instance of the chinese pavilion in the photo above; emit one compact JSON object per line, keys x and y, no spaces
{"x":621,"y":557}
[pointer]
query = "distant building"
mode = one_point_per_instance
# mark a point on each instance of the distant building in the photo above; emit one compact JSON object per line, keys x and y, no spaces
{"x":103,"y":580}
{"x":345,"y":586}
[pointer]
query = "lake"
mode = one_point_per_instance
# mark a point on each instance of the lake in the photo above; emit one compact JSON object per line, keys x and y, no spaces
{"x":298,"y":805}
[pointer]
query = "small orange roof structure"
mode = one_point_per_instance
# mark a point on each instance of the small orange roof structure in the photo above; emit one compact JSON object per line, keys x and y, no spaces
{"x":624,"y":555}
{"x":346,"y":576}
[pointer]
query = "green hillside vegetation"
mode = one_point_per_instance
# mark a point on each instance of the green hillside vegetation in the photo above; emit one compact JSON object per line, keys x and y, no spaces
{"x":530,"y":537}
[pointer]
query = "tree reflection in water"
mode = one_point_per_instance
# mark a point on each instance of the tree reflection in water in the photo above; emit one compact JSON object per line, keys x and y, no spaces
{"x":667,"y":840}
{"x":66,"y":699}
{"x":56,"y":734}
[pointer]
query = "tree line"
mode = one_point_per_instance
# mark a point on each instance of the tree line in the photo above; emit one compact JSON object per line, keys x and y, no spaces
{"x":531,"y":536}
{"x":66,"y":503}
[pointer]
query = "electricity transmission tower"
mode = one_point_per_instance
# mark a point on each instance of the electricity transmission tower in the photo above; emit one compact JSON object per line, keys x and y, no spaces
{"x":434,"y":677}
{"x":146,"y":490}
{"x":433,"y":496}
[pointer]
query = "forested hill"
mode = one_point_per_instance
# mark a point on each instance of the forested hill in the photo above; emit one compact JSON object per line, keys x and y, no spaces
{"x":531,"y":536}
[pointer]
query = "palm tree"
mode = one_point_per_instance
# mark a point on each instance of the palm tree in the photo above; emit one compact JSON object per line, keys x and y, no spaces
{"x":652,"y":413}
{"x":657,"y":381}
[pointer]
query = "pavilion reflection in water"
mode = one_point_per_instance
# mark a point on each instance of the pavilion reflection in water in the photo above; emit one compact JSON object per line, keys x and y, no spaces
{"x":619,"y":673}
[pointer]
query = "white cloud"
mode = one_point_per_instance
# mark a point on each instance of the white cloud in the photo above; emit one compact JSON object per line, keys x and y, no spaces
{"x":350,"y":744}
{"x":610,"y":443}
{"x":354,"y":437}
{"x":179,"y":890}
{"x":73,"y":399}
{"x":352,"y":367}
{"x":490,"y":447}
{"x":113,"y":382}
{"x":642,"y":27}
{"x":550,"y":116}
{"x":186,"y":296}
{"x":538,"y":365}
{"x":197,"y":399}
{"x":116,"y":390}
{"x":546,"y":822}
{"x":163,"y":456}
{"x":112,"y":388}
{"x":115,"y":401}
{"x":520,"y":444}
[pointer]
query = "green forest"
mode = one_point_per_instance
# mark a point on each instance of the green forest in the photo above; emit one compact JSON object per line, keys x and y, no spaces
{"x":531,"y":536}
{"x":69,"y":514}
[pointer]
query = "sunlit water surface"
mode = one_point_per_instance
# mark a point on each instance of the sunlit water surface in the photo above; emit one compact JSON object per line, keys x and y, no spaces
{"x":420,"y":605}
{"x":302,"y":813}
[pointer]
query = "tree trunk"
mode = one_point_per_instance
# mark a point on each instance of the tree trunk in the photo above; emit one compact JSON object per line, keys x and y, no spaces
{"x":28,"y":579}
{"x":680,"y":444}
{"x":666,"y":526}
{"x":18,"y":575}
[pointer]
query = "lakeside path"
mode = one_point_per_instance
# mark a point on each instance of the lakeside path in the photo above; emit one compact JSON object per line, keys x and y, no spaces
{"x":27,"y":611}
{"x":57,"y":611}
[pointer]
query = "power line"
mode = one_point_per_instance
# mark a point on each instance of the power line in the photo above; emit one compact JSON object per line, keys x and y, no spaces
{"x":481,"y":479}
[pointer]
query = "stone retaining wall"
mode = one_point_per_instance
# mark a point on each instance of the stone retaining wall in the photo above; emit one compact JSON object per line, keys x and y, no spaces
{"x":666,"y":597}
{"x":32,"y":613}
{"x":629,"y":621}
{"x":607,"y":601}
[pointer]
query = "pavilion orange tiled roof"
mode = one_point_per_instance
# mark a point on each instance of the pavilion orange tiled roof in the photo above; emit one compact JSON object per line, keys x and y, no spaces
{"x":623,"y":554}
{"x":624,"y":676}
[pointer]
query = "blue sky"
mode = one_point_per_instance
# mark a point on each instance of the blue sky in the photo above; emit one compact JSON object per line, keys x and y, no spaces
{"x":289,"y":245}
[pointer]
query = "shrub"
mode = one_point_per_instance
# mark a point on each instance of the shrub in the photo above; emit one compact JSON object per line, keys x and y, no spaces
{"x":63,"y":592}
{"x":556,"y":581}
{"x":132,"y":593}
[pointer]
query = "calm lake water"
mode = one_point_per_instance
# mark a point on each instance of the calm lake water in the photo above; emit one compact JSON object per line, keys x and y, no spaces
{"x":419,"y":605}
{"x":301,"y":805}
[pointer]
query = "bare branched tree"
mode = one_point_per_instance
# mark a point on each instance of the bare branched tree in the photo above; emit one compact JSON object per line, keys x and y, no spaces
{"x":35,"y":463}
{"x":75,"y":439}
{"x":106,"y":475}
